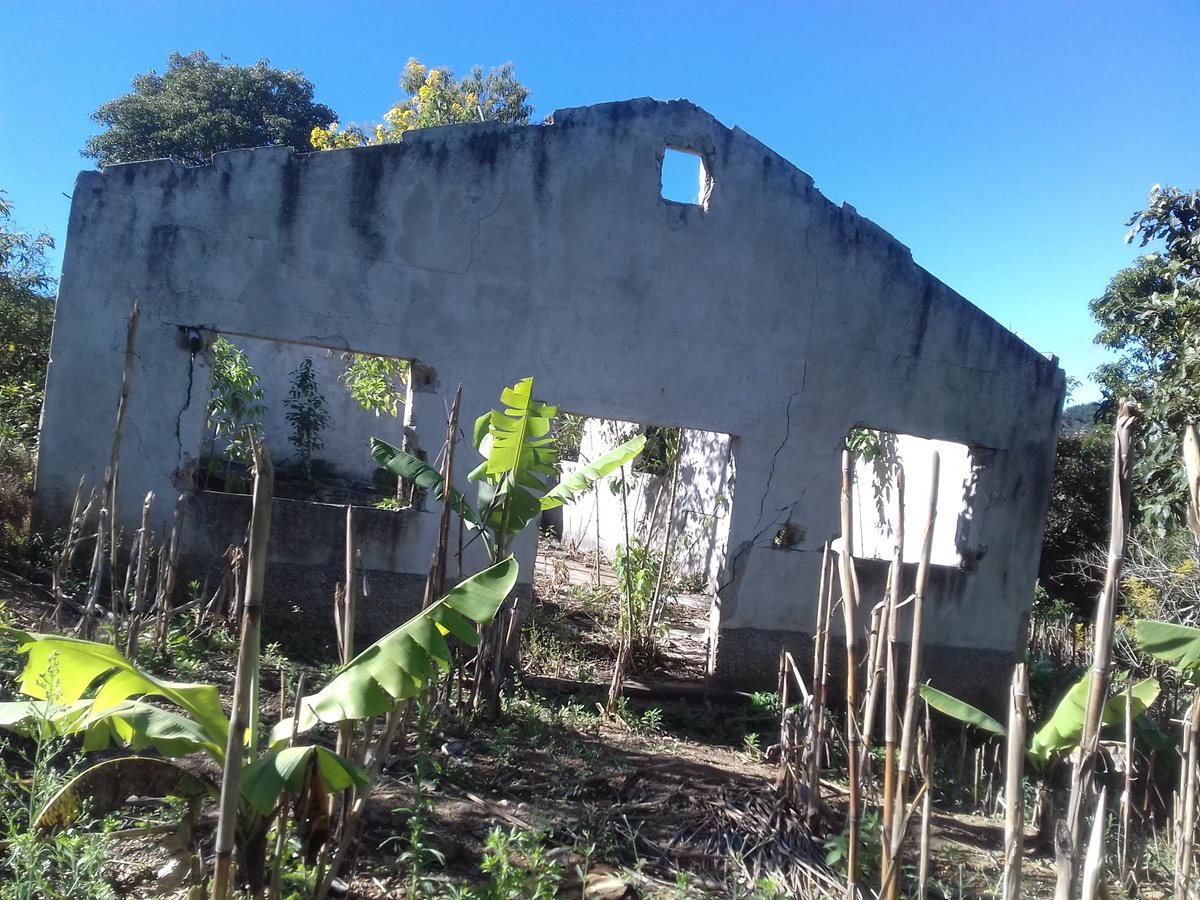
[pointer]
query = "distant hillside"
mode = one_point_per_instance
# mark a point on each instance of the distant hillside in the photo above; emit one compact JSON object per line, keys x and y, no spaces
{"x":1079,"y":419}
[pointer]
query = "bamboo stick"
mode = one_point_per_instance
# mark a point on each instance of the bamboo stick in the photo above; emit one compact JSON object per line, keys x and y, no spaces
{"x":137,"y":599}
{"x":891,"y":711}
{"x":1186,"y":830}
{"x":1093,"y":865}
{"x":1120,"y":511}
{"x":1014,"y":794}
{"x":908,"y":731}
{"x":244,"y":714}
{"x":1127,"y":792}
{"x":817,"y":717}
{"x":926,"y":758}
{"x":625,"y":644}
{"x":849,"y":607}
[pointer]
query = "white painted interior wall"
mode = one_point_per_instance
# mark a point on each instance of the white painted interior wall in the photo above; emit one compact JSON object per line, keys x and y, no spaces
{"x":703,"y":501}
{"x":873,"y":498}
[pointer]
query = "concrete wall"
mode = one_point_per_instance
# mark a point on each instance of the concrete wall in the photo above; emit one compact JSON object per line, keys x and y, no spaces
{"x":491,"y":252}
{"x":702,"y":503}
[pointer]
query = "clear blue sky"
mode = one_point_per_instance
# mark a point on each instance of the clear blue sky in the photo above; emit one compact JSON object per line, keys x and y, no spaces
{"x":1006,"y":143}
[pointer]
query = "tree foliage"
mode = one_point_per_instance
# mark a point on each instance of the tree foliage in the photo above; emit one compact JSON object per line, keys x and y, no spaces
{"x":1150,"y":314}
{"x":436,"y":97}
{"x":26,"y":314}
{"x":199,"y":107}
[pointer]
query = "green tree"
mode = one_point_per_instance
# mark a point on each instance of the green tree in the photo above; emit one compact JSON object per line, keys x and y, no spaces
{"x":199,"y":107}
{"x":26,"y":314}
{"x":436,"y":97}
{"x":1150,"y":314}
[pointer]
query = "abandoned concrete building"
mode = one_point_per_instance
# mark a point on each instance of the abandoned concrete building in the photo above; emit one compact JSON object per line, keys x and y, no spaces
{"x":759,"y":315}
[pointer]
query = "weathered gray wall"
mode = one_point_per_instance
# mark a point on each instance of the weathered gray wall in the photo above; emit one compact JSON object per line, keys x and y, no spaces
{"x":492,"y":252}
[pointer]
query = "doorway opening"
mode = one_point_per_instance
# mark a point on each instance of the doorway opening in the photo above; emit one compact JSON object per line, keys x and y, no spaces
{"x":657,"y":529}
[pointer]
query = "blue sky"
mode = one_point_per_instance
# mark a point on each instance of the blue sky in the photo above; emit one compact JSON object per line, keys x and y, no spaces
{"x":1006,"y":143}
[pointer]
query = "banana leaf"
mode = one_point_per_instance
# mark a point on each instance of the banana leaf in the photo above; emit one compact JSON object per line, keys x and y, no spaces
{"x":423,"y":475}
{"x":582,"y":479}
{"x":1178,"y":645}
{"x":265,"y":778}
{"x":961,"y":710}
{"x":400,"y":664}
{"x":1064,"y":728}
{"x":107,"y":787}
{"x":521,"y":445}
{"x":66,"y":670}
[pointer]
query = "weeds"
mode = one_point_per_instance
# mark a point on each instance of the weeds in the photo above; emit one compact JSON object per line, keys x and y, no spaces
{"x":63,"y":864}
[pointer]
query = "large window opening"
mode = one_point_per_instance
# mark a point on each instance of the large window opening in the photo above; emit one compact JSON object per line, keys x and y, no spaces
{"x":660,"y":526}
{"x":317,"y":408}
{"x":878,"y":457}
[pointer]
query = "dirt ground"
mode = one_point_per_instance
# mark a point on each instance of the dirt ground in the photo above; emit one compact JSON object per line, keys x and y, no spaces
{"x":671,"y":798}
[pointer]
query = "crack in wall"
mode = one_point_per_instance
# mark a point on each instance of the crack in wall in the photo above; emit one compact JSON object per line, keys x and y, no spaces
{"x":786,"y":437}
{"x":186,"y":405}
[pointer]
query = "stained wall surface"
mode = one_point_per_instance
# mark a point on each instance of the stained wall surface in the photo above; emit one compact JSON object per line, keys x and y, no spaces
{"x":491,"y":252}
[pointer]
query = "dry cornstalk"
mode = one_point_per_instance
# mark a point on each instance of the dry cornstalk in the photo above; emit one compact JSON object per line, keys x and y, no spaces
{"x":891,"y":710}
{"x":926,"y":760}
{"x":896,"y":827}
{"x":137,"y":598}
{"x":110,"y":476}
{"x":281,"y":823}
{"x":1121,"y":509}
{"x":1127,"y":792}
{"x":346,"y":637}
{"x":1014,"y":794}
{"x":244,"y":714}
{"x":1185,"y":829}
{"x":876,"y":633}
{"x":625,"y":645}
{"x":1093,"y":864}
{"x":849,"y":607}
{"x":169,"y":564}
{"x":820,"y":679}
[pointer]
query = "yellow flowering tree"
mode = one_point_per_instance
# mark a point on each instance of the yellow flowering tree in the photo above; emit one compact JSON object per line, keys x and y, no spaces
{"x":436,"y":97}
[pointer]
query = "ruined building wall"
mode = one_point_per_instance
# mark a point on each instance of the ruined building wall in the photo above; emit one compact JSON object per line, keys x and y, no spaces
{"x":491,"y":252}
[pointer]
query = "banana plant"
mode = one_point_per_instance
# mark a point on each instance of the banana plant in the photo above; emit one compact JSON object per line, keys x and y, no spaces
{"x":1177,"y":645}
{"x":519,"y":460}
{"x":1061,"y":732}
{"x":86,"y":689}
{"x":1057,"y":737}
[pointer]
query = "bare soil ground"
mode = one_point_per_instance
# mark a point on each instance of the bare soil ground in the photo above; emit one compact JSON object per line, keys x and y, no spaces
{"x":669,"y":799}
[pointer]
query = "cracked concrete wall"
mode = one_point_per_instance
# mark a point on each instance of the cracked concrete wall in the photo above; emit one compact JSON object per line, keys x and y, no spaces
{"x":491,"y":252}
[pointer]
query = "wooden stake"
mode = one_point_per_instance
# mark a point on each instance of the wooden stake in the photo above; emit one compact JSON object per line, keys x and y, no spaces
{"x":849,"y":607}
{"x":244,"y":715}
{"x":1014,"y":794}
{"x":908,"y":732}
{"x":1121,"y":509}
{"x":891,"y":711}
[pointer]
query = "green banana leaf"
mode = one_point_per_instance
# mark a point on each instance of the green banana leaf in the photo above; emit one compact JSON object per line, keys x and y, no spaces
{"x":107,"y":787}
{"x":40,"y":719}
{"x":961,"y":710}
{"x":65,"y":670}
{"x":1178,"y":645}
{"x":401,"y":663}
{"x":521,"y":445}
{"x":265,"y":778}
{"x":1064,"y":728}
{"x":141,"y":726}
{"x":423,"y":475}
{"x":582,"y":479}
